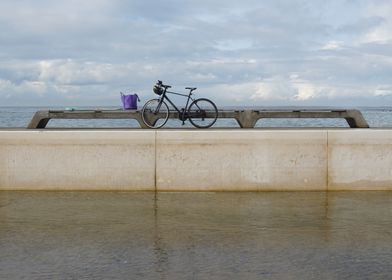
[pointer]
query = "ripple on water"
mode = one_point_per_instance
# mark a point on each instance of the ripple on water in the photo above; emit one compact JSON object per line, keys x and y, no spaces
{"x":105,"y":235}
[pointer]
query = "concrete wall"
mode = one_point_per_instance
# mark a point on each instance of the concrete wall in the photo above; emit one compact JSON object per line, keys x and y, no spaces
{"x":77,"y":160}
{"x":360,"y":159}
{"x":242,"y":160}
{"x":196,"y":160}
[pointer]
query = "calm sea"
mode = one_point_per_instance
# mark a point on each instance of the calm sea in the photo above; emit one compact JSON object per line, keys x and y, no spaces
{"x":21,"y":116}
{"x":134,"y":235}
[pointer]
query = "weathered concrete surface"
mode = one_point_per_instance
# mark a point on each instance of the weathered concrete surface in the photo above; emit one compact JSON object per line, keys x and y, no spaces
{"x":241,"y":160}
{"x":245,"y":118}
{"x":196,"y":160}
{"x":77,"y":160}
{"x":360,"y":159}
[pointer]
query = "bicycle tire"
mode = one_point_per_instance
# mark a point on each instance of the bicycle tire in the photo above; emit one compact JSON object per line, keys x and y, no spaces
{"x":150,"y":108}
{"x":202,"y":113}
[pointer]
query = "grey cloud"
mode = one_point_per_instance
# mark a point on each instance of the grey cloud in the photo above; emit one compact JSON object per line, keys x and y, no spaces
{"x":361,"y":26}
{"x":84,"y":51}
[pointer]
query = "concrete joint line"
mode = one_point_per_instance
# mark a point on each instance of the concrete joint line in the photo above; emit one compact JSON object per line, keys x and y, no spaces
{"x":327,"y":179}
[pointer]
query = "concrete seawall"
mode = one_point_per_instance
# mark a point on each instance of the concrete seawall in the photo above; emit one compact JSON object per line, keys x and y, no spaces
{"x":196,"y":160}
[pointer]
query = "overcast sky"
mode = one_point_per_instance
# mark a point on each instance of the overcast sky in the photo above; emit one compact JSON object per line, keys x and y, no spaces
{"x":249,"y":52}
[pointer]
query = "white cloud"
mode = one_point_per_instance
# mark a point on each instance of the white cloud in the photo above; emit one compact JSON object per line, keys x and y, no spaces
{"x":306,"y":92}
{"x":234,"y":45}
{"x":383,"y":91}
{"x":66,"y":72}
{"x":241,"y":52}
{"x":332,"y":45}
{"x":274,"y":88}
{"x":5,"y":85}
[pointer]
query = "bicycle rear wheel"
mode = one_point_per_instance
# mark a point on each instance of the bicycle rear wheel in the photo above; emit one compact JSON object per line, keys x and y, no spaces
{"x":202,"y":113}
{"x":155,"y":114}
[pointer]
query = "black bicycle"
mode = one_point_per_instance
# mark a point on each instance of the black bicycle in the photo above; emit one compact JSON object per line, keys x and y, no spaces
{"x":202,"y":112}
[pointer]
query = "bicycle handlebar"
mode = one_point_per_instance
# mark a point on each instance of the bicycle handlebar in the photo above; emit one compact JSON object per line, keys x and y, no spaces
{"x":159,"y":83}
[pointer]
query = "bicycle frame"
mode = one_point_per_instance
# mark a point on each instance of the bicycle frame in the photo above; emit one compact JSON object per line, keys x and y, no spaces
{"x":165,"y":97}
{"x":201,"y":112}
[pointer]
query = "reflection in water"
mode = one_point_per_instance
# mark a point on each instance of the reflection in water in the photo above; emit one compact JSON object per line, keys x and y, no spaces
{"x":161,"y":255}
{"x":125,"y":235}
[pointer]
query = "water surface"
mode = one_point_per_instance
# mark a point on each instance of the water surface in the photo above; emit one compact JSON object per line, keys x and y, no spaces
{"x":21,"y":116}
{"x":126,"y":235}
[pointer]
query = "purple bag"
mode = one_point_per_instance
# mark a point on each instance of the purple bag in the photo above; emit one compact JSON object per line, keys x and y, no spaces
{"x":129,"y":101}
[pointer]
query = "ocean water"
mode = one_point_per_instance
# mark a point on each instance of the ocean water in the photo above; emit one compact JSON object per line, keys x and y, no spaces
{"x":133,"y":235}
{"x":19,"y":117}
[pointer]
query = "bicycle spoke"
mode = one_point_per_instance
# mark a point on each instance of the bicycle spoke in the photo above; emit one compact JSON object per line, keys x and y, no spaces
{"x":155,"y":113}
{"x":202,"y":113}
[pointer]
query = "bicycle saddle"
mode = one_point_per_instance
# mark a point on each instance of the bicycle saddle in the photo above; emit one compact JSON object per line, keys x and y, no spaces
{"x":191,"y":88}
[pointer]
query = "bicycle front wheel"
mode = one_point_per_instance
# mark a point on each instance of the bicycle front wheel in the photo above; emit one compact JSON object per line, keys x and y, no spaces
{"x":155,"y":113}
{"x":202,"y":113}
